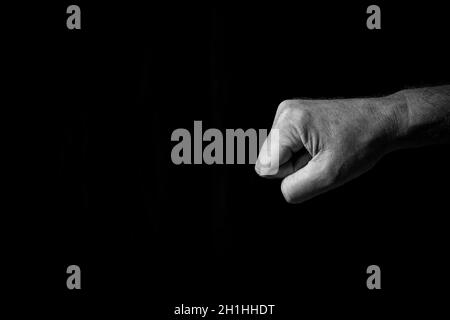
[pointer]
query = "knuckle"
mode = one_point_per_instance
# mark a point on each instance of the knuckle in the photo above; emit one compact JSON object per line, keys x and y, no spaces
{"x":284,"y":104}
{"x":287,"y":106}
{"x":293,"y":110}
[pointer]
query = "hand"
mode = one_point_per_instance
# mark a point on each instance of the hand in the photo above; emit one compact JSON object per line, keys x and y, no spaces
{"x":324,"y":143}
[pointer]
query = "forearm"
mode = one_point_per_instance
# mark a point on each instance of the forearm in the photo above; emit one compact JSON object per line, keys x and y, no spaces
{"x":424,"y":116}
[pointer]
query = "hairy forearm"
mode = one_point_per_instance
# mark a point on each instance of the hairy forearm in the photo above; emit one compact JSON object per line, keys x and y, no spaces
{"x":424,"y":116}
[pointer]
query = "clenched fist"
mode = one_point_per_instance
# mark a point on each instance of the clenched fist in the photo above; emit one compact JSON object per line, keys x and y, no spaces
{"x":321,"y":144}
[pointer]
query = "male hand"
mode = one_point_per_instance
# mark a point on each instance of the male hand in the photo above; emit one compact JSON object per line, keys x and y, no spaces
{"x":325,"y":143}
{"x":321,"y":144}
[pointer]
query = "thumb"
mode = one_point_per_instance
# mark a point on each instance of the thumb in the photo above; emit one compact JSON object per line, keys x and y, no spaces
{"x":314,"y":178}
{"x":274,"y":152}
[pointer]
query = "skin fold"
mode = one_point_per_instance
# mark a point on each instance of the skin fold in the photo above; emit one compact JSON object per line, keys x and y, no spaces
{"x":322,"y":144}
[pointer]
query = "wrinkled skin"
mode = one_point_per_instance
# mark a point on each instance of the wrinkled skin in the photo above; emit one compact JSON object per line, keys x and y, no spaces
{"x":325,"y":143}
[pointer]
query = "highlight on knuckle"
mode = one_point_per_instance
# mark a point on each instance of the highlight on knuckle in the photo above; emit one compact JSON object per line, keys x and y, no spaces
{"x":292,"y":110}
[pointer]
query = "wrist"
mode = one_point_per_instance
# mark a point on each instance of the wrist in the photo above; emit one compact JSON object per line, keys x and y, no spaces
{"x":426,"y":117}
{"x":398,"y":110}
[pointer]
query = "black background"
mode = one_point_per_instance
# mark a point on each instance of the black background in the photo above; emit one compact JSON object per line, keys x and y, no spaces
{"x":93,"y":183}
